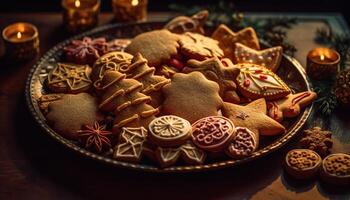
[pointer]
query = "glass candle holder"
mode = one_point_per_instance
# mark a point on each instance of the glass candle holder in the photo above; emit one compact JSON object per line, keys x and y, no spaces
{"x":80,"y":15}
{"x":21,"y":41}
{"x":322,"y":63}
{"x":130,"y":10}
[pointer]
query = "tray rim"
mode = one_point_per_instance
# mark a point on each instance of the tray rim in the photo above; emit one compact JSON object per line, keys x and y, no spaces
{"x":39,"y":118}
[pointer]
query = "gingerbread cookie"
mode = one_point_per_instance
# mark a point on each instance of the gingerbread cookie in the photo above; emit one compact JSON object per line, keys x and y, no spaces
{"x":222,"y":72}
{"x":290,"y":105}
{"x":318,"y":140}
{"x":336,"y":169}
{"x":167,"y":156}
{"x":302,"y":163}
{"x":169,"y":131}
{"x":46,"y":99}
{"x":213,"y":133}
{"x":129,"y":147}
{"x":243,"y":144}
{"x":191,"y":154}
{"x":95,"y":137}
{"x":156,"y":46}
{"x":123,"y":97}
{"x":269,"y":58}
{"x":191,"y":96}
{"x":113,"y":61}
{"x":255,"y":81}
{"x":71,"y":112}
{"x":227,"y":39}
{"x":85,"y":51}
{"x":252,"y":116}
{"x":152,"y":84}
{"x":199,"y":47}
{"x":69,"y":78}
{"x":118,"y":44}
{"x":182,"y":24}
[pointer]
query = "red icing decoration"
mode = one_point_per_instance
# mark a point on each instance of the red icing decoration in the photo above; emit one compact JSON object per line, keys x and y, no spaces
{"x":258,"y":71}
{"x":264,"y":77}
{"x":212,"y":133}
{"x":176,"y":63}
{"x":246,"y":83}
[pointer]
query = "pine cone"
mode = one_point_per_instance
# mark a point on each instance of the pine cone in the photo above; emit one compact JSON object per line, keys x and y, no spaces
{"x":342,"y":87}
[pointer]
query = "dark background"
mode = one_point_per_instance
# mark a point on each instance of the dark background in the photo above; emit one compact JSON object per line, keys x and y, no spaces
{"x":162,"y":5}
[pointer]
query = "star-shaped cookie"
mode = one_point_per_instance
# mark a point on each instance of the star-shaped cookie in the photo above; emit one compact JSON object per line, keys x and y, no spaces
{"x":252,"y":116}
{"x":227,"y":39}
{"x":290,"y":105}
{"x":191,"y":96}
{"x":269,"y":58}
{"x":222,"y":72}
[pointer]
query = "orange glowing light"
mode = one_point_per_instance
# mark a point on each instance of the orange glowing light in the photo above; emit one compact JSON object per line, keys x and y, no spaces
{"x":135,"y":2}
{"x":322,"y":57}
{"x":77,"y":3}
{"x":19,"y":35}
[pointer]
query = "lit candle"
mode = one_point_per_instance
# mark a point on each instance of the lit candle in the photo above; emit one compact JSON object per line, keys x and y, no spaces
{"x":80,"y":15}
{"x":21,"y":41}
{"x":322,"y":63}
{"x":130,"y":10}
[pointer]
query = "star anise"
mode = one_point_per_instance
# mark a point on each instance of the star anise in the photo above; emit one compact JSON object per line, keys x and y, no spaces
{"x":86,"y":51}
{"x":95,"y":137}
{"x":317,"y":140}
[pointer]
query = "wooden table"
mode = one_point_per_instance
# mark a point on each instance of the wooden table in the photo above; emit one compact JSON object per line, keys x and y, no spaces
{"x":34,"y":166}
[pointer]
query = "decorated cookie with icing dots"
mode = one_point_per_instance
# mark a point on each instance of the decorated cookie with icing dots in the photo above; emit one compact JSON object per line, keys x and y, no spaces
{"x":302,"y":163}
{"x":169,"y":130}
{"x":243,"y":144}
{"x":69,"y":78}
{"x":336,"y":169}
{"x":255,"y":81}
{"x":290,"y":105}
{"x":213,"y":133}
{"x":269,"y":58}
{"x":227,"y":39}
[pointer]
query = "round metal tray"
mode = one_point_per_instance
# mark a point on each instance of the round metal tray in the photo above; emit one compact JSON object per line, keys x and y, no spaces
{"x":290,"y":71}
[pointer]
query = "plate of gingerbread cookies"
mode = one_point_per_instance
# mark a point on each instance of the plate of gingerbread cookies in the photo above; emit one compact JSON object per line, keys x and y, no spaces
{"x":169,"y":96}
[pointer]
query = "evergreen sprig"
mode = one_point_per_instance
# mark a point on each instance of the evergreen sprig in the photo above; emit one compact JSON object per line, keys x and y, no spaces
{"x":271,"y":30}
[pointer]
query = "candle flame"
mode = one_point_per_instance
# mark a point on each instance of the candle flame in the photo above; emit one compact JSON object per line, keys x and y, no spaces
{"x":77,"y":3}
{"x":135,"y":2}
{"x":19,"y":35}
{"x":322,"y":57}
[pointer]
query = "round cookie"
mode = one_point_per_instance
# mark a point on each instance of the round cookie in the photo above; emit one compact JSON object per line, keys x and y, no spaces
{"x":71,"y":112}
{"x":199,"y":47}
{"x":302,"y":163}
{"x":69,"y":78}
{"x":213,"y":133}
{"x":244,"y":143}
{"x":112,"y":61}
{"x":169,"y":131}
{"x":156,"y":46}
{"x":336,"y":169}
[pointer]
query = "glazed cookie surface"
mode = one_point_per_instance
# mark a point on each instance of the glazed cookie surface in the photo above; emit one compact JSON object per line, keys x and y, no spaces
{"x":213,"y":133}
{"x":169,"y":130}
{"x":255,"y":81}
{"x":243,"y":144}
